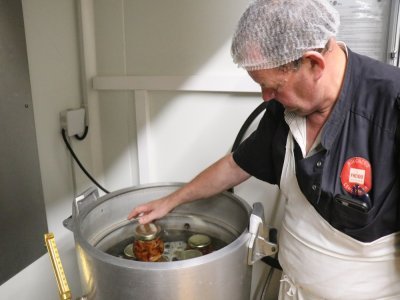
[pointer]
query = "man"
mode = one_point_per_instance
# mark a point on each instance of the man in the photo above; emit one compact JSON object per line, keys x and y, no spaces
{"x":328,"y":140}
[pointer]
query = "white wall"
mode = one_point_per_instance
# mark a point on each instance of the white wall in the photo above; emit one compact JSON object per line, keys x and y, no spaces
{"x":185,"y":130}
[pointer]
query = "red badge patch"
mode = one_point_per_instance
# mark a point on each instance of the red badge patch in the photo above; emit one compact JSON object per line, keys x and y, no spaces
{"x":356,"y":176}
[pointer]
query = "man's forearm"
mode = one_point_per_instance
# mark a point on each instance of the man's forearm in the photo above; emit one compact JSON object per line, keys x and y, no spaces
{"x":219,"y":177}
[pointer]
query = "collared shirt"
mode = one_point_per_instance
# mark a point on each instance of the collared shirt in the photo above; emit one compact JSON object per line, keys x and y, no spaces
{"x":362,"y":124}
{"x":297,"y":124}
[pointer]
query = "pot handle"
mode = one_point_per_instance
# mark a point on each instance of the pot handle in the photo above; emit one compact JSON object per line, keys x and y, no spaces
{"x":260,"y":244}
{"x":88,"y":196}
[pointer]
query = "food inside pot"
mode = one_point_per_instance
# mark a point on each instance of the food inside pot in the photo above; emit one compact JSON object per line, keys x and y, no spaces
{"x":176,"y":246}
{"x":148,"y":244}
{"x":148,"y":250}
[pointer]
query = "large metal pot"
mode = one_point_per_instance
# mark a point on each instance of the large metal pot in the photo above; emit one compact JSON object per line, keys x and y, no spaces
{"x":98,"y":223}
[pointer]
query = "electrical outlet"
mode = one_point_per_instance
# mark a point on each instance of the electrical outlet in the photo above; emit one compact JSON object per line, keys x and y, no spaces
{"x":73,"y":121}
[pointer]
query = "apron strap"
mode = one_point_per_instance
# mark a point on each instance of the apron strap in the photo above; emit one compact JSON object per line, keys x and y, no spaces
{"x":291,"y":290}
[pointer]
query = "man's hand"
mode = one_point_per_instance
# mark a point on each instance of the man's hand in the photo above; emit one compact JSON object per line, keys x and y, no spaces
{"x":152,"y":210}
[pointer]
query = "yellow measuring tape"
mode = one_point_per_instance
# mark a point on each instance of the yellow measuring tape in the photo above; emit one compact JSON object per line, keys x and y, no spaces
{"x":63,"y":289}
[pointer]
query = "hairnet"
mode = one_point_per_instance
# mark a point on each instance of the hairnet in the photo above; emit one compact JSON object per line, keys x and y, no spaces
{"x":272,"y":33}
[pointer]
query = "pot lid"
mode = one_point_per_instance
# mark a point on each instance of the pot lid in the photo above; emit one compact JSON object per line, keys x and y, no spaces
{"x":199,"y":241}
{"x":147,"y":232}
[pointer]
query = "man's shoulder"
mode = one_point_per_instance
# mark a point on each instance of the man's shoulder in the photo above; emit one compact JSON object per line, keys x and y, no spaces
{"x":371,"y":68}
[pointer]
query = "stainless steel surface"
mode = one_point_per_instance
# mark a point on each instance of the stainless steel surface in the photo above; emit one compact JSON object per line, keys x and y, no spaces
{"x":22,"y":212}
{"x":259,"y":245}
{"x":100,"y":223}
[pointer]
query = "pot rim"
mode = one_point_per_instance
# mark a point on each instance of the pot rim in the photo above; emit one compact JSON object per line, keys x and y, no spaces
{"x":100,"y":255}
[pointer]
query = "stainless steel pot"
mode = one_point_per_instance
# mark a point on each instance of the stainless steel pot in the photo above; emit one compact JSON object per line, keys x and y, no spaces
{"x":99,"y":223}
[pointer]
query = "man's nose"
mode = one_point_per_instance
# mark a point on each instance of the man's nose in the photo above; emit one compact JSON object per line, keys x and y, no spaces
{"x":268,"y":94}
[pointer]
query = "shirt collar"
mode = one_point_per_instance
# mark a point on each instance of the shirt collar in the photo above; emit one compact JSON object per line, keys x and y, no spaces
{"x":326,"y":136}
{"x":334,"y":123}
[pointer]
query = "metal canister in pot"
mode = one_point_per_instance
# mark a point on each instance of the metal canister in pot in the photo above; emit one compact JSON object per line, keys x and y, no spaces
{"x":128,"y":251}
{"x":148,"y":245}
{"x":188,"y":254}
{"x":200,"y":242}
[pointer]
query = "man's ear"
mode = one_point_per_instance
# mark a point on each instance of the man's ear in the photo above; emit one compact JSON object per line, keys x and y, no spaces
{"x":317,"y":62}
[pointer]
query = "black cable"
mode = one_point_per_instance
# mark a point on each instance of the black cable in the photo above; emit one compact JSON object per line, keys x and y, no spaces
{"x":269,"y":260}
{"x":79,"y":163}
{"x":272,"y":261}
{"x":267,"y":283}
{"x":259,"y":109}
{"x":239,"y":137}
{"x":82,"y":137}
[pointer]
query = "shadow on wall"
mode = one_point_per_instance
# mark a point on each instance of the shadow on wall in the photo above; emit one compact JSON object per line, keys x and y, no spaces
{"x":177,"y":37}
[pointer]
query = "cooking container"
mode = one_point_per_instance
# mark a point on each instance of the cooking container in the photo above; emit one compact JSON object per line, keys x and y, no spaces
{"x":98,"y":223}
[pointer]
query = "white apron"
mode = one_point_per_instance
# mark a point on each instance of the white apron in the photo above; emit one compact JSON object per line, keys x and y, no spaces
{"x":320,"y":262}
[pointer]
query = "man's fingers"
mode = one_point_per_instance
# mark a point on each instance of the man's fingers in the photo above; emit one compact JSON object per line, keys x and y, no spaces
{"x":137,"y":212}
{"x":145,"y":219}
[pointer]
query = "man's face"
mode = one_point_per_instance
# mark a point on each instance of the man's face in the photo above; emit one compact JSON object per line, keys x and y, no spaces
{"x":292,"y":88}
